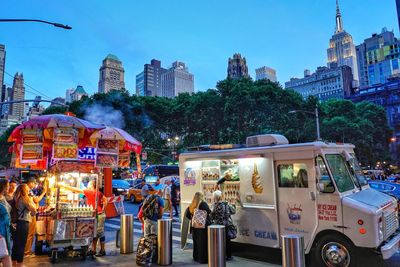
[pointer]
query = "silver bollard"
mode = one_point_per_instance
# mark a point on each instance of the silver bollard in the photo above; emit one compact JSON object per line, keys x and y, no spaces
{"x":293,"y":251}
{"x":126,"y":233}
{"x":216,"y":246}
{"x":164,"y":240}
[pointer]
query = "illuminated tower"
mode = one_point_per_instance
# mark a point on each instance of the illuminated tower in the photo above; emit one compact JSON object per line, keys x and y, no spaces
{"x":342,"y":51}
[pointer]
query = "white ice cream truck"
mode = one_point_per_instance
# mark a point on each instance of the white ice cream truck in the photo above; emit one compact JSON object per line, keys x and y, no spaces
{"x":316,"y":190}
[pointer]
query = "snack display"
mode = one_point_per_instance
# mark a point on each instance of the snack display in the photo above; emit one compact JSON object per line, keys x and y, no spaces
{"x":84,"y":228}
{"x":210,"y":173}
{"x":32,"y":152}
{"x":208,"y":190}
{"x":110,"y":146}
{"x":32,"y":136}
{"x":106,"y":160}
{"x":124,"y":160}
{"x":256,"y":181}
{"x":65,"y":151}
{"x":231,"y":192}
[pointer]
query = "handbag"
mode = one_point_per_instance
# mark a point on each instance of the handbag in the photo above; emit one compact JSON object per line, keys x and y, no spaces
{"x":231,"y":231}
{"x":199,"y":219}
{"x":3,"y":247}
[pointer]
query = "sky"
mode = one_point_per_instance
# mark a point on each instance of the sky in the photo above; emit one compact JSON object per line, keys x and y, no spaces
{"x":287,"y":35}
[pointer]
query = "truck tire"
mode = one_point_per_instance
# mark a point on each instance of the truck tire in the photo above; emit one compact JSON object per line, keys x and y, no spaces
{"x":335,"y":251}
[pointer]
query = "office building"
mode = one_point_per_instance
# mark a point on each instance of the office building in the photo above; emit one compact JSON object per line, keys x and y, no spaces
{"x":111,"y":74}
{"x":8,"y":120}
{"x":68,"y":95}
{"x":148,"y":82}
{"x":325,"y":83}
{"x":18,"y":93}
{"x":237,"y":67}
{"x":72,"y":95}
{"x":266,"y":73}
{"x":342,"y":51}
{"x":398,"y":11}
{"x":386,"y":95}
{"x":2,"y":69}
{"x":56,"y":101}
{"x":177,"y":80}
{"x":378,"y":58}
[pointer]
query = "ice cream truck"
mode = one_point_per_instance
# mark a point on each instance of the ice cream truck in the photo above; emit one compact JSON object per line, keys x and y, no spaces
{"x":316,"y":190}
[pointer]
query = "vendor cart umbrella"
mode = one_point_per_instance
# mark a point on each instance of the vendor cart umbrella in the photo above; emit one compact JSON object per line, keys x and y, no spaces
{"x":49,"y":122}
{"x":127,"y":141}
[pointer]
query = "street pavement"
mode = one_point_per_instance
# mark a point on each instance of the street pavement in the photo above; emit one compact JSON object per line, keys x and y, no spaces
{"x":180,"y":257}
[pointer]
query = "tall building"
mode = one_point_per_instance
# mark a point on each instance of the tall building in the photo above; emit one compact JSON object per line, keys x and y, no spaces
{"x":325,"y":83}
{"x":111,"y":74}
{"x":266,"y":73}
{"x":6,"y":96}
{"x":2,"y":68}
{"x":341,"y":51}
{"x":18,"y":93}
{"x":58,"y":100}
{"x":378,"y":58}
{"x":237,"y":67}
{"x":68,"y":95}
{"x":148,"y":82}
{"x":177,"y":80}
{"x":72,"y":94}
{"x":398,"y":11}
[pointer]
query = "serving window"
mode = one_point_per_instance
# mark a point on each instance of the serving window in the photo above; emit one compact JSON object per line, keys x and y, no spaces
{"x":293,"y":175}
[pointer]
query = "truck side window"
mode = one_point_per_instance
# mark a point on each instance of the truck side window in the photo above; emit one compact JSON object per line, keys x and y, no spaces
{"x":293,"y":175}
{"x":323,"y":176}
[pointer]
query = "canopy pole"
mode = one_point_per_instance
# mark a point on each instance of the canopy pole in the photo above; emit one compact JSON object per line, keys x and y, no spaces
{"x":110,"y":209}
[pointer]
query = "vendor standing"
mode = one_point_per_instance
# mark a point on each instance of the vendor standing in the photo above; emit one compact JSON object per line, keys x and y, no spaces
{"x":90,"y":193}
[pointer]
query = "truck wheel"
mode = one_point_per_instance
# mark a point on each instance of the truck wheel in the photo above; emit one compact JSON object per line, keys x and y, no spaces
{"x":335,"y":251}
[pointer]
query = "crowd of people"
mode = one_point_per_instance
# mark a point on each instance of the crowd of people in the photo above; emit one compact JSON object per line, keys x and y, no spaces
{"x":18,"y":207}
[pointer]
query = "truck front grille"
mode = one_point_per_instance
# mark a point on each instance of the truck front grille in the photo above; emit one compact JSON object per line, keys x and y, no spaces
{"x":391,"y":223}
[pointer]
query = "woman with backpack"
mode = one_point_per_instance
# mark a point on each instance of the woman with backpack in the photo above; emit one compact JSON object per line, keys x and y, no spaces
{"x":5,"y":224}
{"x":26,"y":209}
{"x":199,"y":214}
{"x":221,"y":215}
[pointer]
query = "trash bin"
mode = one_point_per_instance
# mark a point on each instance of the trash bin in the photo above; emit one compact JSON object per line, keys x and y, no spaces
{"x":293,"y":251}
{"x":164,"y":240}
{"x":216,"y":246}
{"x":125,"y":234}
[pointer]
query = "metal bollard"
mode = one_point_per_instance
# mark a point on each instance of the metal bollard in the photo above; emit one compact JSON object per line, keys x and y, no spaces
{"x":216,"y":246}
{"x":293,"y":251}
{"x":164,"y":240}
{"x":126,"y":234}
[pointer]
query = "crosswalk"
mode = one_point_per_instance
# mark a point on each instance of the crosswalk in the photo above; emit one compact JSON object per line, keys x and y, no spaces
{"x":113,"y":224}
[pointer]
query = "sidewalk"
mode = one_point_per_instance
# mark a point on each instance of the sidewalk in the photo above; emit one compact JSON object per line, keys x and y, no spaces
{"x":113,"y":258}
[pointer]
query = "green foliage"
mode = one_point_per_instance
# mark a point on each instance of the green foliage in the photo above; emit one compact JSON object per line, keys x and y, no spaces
{"x":54,"y":110}
{"x":5,"y":159}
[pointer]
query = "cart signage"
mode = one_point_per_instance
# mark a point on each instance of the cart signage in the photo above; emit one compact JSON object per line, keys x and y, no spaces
{"x":65,"y":146}
{"x":107,"y":153}
{"x":32,"y":145}
{"x":87,"y":154}
{"x":124,"y":160}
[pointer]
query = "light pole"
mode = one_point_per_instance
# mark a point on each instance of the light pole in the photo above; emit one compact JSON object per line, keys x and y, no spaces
{"x":55,"y":24}
{"x":315,"y":113}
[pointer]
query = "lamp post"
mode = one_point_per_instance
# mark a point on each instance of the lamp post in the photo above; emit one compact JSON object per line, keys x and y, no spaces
{"x":55,"y":24}
{"x":315,"y":113}
{"x":172,"y":142}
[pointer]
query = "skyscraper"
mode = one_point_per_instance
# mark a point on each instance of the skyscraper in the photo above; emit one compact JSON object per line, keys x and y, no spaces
{"x":111,"y":74}
{"x":266,"y":73}
{"x":18,"y":93}
{"x":341,"y":51}
{"x":2,"y":68}
{"x":177,"y":80}
{"x":237,"y":67}
{"x":378,"y":58}
{"x":148,"y":82}
{"x":398,"y":11}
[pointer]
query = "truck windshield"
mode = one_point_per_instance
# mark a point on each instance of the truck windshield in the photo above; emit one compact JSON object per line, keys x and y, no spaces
{"x":340,"y":173}
{"x":355,"y":165}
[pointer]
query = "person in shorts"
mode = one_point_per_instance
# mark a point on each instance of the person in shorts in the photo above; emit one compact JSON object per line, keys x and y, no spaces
{"x":167,"y":197}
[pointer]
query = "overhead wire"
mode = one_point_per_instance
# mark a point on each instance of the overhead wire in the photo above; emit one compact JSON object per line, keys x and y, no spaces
{"x":27,"y":85}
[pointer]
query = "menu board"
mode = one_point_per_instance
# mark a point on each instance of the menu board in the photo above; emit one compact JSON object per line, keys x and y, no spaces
{"x":32,"y":145}
{"x":65,"y":144}
{"x":124,"y":160}
{"x":107,"y":153}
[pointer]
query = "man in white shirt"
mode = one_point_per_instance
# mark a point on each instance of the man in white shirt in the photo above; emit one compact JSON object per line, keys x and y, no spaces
{"x":167,"y":197}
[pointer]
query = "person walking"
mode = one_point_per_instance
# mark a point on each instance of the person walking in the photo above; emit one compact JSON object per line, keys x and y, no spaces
{"x":5,"y":223}
{"x":31,"y":182}
{"x":221,"y":215}
{"x":12,"y":186}
{"x":26,"y":209}
{"x":174,"y":197}
{"x":152,"y":209}
{"x":199,"y":235}
{"x":166,"y":192}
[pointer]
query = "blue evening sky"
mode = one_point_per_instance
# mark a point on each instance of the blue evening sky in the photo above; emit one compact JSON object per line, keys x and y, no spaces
{"x":288,"y":35}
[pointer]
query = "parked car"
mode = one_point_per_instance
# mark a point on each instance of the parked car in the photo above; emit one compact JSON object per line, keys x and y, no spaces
{"x":389,"y":188}
{"x":135,"y":193}
{"x":131,"y":181}
{"x":120,"y":187}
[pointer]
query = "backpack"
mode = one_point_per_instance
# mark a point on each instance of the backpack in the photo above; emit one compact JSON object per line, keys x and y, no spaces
{"x":145,"y":251}
{"x":150,"y":206}
{"x":221,"y":214}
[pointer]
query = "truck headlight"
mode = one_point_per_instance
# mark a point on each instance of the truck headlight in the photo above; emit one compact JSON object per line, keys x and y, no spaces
{"x":380,"y":228}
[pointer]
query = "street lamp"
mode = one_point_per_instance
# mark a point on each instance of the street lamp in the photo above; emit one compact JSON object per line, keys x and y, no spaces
{"x":315,"y":113}
{"x":55,"y":24}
